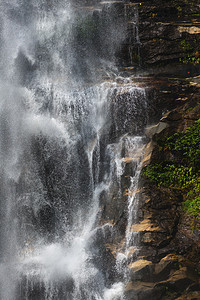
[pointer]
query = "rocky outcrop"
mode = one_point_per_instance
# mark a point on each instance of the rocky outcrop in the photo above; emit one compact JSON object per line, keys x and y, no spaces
{"x":168,"y":34}
{"x":164,"y":280}
{"x":161,"y":53}
{"x":169,"y":238}
{"x":162,"y":46}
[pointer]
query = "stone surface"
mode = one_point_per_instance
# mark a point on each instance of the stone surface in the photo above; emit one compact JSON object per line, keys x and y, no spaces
{"x":155,"y":129}
{"x":145,"y":225}
{"x":176,"y":261}
{"x":178,"y":281}
{"x":143,"y":291}
{"x":159,"y":60}
{"x":148,"y":153}
{"x":139,"y":265}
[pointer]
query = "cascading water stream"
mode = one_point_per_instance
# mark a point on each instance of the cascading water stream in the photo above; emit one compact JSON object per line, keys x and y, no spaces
{"x":62,"y":134}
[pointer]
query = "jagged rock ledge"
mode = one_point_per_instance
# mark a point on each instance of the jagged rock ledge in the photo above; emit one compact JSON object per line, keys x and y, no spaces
{"x":168,"y":262}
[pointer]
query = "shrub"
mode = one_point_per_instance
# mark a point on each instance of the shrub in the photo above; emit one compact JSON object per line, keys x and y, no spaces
{"x":183,"y":174}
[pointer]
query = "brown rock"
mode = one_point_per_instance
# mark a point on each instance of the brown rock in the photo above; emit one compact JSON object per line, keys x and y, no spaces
{"x":179,"y":280}
{"x":142,"y":291}
{"x":148,"y":153}
{"x":145,"y":225}
{"x":155,"y":129}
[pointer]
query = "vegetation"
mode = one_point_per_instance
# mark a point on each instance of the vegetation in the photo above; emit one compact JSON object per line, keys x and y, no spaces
{"x":190,"y":60}
{"x":186,"y":45}
{"x":183,"y":171}
{"x":192,"y":48}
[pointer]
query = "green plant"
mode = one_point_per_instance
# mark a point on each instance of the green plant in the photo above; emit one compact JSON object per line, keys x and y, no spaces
{"x":170,"y":175}
{"x":190,"y":59}
{"x":186,"y":45}
{"x":187,"y":143}
{"x":184,"y":172}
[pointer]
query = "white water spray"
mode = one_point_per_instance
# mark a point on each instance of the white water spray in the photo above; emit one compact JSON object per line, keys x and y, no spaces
{"x":57,"y":154}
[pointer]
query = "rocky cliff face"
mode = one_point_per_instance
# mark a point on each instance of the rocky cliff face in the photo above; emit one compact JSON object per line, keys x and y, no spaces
{"x":168,"y":36}
{"x":163,"y":47}
{"x":160,"y":51}
{"x":167,"y":265}
{"x":169,"y":236}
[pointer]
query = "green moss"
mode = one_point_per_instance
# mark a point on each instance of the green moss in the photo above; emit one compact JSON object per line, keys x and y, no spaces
{"x":186,"y":45}
{"x":190,"y":60}
{"x":158,"y":40}
{"x":170,"y":175}
{"x":184,"y":172}
{"x":192,"y":49}
{"x":187,"y":143}
{"x":192,"y":108}
{"x":179,"y":9}
{"x":195,"y":15}
{"x":189,"y":109}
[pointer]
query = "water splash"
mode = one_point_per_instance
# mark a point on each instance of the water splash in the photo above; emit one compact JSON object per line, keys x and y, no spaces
{"x":63,"y":131}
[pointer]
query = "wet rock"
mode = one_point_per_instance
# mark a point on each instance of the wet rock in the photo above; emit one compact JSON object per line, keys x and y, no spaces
{"x":129,"y":113}
{"x":191,"y":296}
{"x":174,"y":274}
{"x":155,"y":129}
{"x":171,"y":116}
{"x":179,"y":280}
{"x":168,"y":33}
{"x":143,"y":291}
{"x":103,"y":256}
{"x":140,"y":269}
{"x":148,"y":153}
{"x":145,"y":225}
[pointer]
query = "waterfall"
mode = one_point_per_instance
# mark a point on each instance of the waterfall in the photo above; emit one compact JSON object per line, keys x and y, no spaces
{"x":68,"y":123}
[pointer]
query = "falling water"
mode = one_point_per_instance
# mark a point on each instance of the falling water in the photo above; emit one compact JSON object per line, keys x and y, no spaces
{"x":63,"y":127}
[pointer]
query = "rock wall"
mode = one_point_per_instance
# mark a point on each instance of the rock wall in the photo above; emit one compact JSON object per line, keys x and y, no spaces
{"x":169,"y":237}
{"x":161,"y":52}
{"x":168,"y":36}
{"x":167,"y":265}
